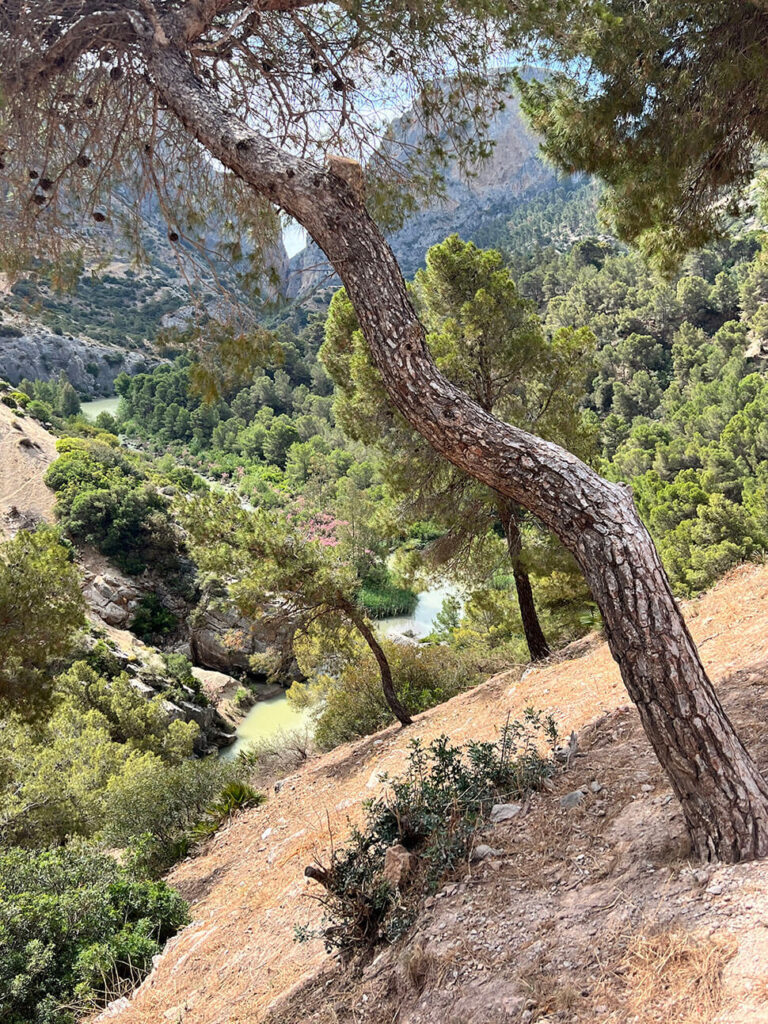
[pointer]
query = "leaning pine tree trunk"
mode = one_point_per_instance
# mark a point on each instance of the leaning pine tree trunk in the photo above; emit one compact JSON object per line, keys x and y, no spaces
{"x":394,"y":704}
{"x":538,"y":647}
{"x":723,"y":795}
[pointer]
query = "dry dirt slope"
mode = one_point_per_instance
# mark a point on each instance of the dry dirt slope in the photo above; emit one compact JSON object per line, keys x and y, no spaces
{"x":589,"y":914}
{"x":26,"y":451}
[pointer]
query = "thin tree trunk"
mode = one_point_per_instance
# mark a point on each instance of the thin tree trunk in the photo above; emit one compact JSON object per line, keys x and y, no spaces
{"x":538,"y":647}
{"x":723,"y":795}
{"x":387,"y":684}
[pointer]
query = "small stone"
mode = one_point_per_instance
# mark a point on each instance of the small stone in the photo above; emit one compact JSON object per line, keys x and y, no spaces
{"x":114,"y":1008}
{"x":483,"y":852}
{"x":567,"y":751}
{"x":526,"y":1016}
{"x":399,"y":864}
{"x":571,"y":800}
{"x":647,"y":787}
{"x":715,"y":889}
{"x":700,"y":876}
{"x":504,"y":812}
{"x":596,"y":787}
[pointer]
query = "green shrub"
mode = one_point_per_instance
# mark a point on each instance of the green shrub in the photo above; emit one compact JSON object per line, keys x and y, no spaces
{"x":152,"y":619}
{"x":153,"y":808}
{"x":352,"y":704}
{"x":106,"y":421}
{"x":103,"y":660}
{"x":434,"y":810}
{"x":76,"y":930}
{"x":102,"y":498}
{"x":40,"y":411}
{"x":243,"y":698}
{"x":180,"y":681}
{"x":235,"y":796}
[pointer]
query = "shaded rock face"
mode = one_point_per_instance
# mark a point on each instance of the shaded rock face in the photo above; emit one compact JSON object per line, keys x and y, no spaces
{"x":513,"y":173}
{"x":213,"y":634}
{"x":112,"y":596}
{"x":223,"y":639}
{"x":90,"y":365}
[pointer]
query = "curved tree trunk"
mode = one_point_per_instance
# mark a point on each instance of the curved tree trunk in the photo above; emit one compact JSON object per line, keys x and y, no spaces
{"x":387,"y":684}
{"x":538,"y":647}
{"x":723,"y":795}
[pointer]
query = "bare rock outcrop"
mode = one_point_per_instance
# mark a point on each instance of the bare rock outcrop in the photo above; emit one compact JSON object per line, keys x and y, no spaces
{"x":112,"y":596}
{"x":224,"y":639}
{"x":211,"y":632}
{"x":91,"y":366}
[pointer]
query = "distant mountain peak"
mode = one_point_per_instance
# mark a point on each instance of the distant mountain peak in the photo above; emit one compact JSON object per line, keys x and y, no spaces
{"x":514,"y":171}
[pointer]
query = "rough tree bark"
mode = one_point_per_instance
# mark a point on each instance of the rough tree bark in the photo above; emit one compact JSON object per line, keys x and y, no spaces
{"x":538,"y":647}
{"x":723,"y":795}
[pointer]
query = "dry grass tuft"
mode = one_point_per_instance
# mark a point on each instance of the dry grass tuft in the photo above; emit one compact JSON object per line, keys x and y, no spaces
{"x":674,"y":976}
{"x":551,"y":995}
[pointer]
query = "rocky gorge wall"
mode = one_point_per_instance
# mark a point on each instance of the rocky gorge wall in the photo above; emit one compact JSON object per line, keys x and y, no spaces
{"x":514,"y":172}
{"x":90,"y":366}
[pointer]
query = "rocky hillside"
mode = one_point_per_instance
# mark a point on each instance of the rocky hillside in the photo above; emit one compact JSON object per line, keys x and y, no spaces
{"x":587,"y":906}
{"x":211,"y":631}
{"x":514,"y":173}
{"x":108,"y":321}
{"x":30,"y":350}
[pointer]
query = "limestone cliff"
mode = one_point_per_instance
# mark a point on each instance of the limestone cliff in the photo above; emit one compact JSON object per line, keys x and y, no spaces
{"x":514,"y":172}
{"x":91,"y":366}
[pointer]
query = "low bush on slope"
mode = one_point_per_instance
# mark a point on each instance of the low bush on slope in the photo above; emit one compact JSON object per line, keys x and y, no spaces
{"x":430,"y":816}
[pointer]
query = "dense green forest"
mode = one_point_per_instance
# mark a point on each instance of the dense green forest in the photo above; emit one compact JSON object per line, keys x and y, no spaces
{"x":672,"y":395}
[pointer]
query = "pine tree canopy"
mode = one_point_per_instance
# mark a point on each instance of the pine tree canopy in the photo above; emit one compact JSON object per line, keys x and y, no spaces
{"x":665,"y":100}
{"x":86,"y":142}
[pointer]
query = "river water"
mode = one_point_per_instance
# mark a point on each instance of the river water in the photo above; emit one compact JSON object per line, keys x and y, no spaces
{"x":277,"y":714}
{"x":419,"y":622}
{"x":92,"y":409}
{"x":266,"y":719}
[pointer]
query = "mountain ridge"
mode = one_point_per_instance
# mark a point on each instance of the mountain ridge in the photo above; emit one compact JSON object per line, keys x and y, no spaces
{"x":514,"y":171}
